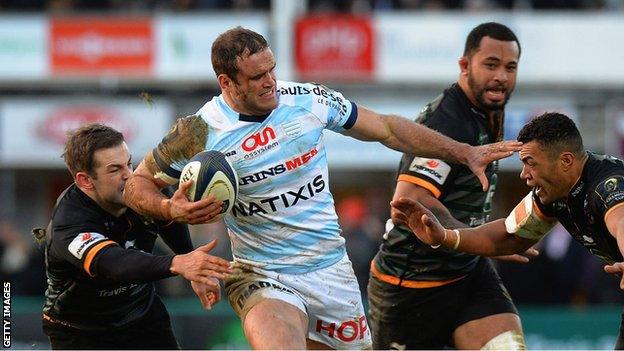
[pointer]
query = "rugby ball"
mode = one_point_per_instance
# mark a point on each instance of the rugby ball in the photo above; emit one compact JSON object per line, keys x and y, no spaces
{"x":211,"y":174}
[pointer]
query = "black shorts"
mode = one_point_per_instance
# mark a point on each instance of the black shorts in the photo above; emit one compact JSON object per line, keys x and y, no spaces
{"x":152,"y":331}
{"x":426,"y":318}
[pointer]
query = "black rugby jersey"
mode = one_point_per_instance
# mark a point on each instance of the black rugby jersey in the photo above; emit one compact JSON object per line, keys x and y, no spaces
{"x":599,"y":190}
{"x":80,"y":293}
{"x":401,"y":254}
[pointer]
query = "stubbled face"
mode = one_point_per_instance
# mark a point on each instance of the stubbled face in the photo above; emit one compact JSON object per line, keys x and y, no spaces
{"x":254,"y":90}
{"x":112,"y":169}
{"x":491,"y":73}
{"x":543,"y":173}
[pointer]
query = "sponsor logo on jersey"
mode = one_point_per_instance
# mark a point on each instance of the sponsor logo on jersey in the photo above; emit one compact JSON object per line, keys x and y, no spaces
{"x":433,"y":164}
{"x":117,"y":291}
{"x":82,"y":242}
{"x":259,"y":142}
{"x":578,"y":189}
{"x":257,"y":285}
{"x":292,"y":128}
{"x":278,"y":169}
{"x":611,"y":184}
{"x":283,"y":200}
{"x":435,"y":169}
{"x":346,"y":331}
{"x":326,"y":96}
{"x":259,"y":139}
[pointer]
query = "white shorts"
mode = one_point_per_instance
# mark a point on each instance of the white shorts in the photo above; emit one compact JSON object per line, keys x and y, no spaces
{"x":329,"y":296}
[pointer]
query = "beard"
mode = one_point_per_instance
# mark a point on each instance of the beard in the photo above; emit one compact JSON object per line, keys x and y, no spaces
{"x":478,"y":93}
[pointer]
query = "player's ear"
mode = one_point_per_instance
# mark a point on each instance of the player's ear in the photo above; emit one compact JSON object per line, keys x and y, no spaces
{"x":463,"y":65}
{"x":225,"y":82}
{"x":567,"y":159}
{"x":84,"y":180}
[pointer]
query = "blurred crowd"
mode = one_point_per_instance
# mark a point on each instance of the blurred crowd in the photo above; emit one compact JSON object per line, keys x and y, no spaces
{"x":348,"y":6}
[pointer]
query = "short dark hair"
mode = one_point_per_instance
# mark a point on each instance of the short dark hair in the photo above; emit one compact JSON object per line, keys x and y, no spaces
{"x":493,"y":30}
{"x":232,"y":44}
{"x":83,"y":142}
{"x":555,"y":132}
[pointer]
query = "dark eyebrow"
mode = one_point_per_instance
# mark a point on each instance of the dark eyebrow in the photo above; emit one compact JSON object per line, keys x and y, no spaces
{"x":263,"y":73}
{"x":116,"y":165}
{"x":526,"y":158}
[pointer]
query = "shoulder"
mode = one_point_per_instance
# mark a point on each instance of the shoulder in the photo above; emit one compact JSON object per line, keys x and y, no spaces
{"x":312,"y":97}
{"x":444,"y":115}
{"x":73,"y":208}
{"x":606,"y":177}
{"x":313,"y":92}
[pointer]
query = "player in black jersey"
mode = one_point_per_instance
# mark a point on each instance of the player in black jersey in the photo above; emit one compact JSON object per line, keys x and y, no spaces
{"x":425,"y":298}
{"x":99,"y":264}
{"x":582,"y":190}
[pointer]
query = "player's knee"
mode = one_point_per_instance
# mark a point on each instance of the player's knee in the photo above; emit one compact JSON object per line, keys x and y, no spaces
{"x":509,"y":340}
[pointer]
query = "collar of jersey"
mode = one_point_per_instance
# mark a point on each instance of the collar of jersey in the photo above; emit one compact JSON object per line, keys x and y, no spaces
{"x":460,"y":93}
{"x":233,"y":115}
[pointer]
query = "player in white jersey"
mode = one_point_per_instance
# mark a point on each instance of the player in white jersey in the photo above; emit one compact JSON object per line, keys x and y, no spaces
{"x":294,"y":285}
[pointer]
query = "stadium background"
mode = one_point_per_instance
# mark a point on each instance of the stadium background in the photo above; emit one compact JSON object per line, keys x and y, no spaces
{"x":138,"y":65}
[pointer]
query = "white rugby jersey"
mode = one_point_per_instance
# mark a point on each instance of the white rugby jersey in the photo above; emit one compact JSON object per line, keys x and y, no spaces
{"x":284,"y":218}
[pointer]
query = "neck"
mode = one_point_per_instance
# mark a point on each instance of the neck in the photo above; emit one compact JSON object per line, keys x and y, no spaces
{"x":231,"y":102}
{"x":577,"y":172}
{"x":463,"y":84}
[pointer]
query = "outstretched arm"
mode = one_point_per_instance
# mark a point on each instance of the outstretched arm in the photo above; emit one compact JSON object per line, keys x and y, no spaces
{"x":444,"y":216}
{"x":490,"y":239}
{"x":401,"y":134}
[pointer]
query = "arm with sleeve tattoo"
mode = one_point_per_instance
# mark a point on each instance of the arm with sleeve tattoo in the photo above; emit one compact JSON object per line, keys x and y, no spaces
{"x":160,"y":168}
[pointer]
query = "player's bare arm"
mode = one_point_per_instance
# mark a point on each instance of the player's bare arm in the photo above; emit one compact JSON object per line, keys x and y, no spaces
{"x":490,"y":239}
{"x":401,"y":134}
{"x":444,"y":216}
{"x":142,"y":190}
{"x":614,"y":220}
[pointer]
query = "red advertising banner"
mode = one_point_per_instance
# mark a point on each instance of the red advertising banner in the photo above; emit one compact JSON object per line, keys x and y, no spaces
{"x":92,"y":46}
{"x":334,"y":47}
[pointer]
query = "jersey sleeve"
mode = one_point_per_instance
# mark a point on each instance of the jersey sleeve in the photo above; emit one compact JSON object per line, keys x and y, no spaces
{"x":184,"y":140}
{"x":79,"y":245}
{"x":608,"y":195}
{"x":335,"y":111}
{"x":431,"y":173}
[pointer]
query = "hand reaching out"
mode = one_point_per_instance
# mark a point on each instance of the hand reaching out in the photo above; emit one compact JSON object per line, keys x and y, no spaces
{"x":479,"y":157}
{"x":200,"y":266}
{"x":208,"y":295}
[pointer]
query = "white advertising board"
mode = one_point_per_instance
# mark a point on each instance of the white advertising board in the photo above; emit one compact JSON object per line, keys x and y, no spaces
{"x":23,"y":47}
{"x":184,"y":42}
{"x":33,"y":132}
{"x":557,"y":48}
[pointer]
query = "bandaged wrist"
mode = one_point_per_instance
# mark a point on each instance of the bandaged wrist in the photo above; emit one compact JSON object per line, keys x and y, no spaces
{"x":526,"y":220}
{"x":451,"y":241}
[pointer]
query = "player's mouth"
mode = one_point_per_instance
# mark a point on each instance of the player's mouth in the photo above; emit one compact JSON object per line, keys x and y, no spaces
{"x":539,"y":191}
{"x":269,"y":94}
{"x":496,"y":93}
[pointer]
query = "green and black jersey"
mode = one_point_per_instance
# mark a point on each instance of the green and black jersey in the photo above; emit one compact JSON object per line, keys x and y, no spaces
{"x":402,"y":258}
{"x":598,"y":192}
{"x":99,"y":267}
